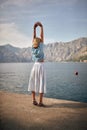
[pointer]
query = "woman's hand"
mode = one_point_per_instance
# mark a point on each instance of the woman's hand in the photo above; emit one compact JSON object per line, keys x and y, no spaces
{"x":37,"y":24}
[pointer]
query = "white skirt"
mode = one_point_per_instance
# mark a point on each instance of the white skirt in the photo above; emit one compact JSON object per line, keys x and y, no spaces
{"x":37,"y":81}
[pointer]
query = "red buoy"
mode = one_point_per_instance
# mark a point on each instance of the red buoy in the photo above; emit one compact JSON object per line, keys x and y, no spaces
{"x":76,"y":73}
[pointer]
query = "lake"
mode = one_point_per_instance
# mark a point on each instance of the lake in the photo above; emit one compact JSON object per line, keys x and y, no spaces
{"x":62,"y":83}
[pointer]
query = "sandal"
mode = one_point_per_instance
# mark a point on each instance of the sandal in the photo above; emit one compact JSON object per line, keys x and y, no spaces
{"x":35,"y":102}
{"x":41,"y":104}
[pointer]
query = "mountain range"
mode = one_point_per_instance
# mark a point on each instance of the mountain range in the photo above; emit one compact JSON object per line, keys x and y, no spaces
{"x":75,"y":50}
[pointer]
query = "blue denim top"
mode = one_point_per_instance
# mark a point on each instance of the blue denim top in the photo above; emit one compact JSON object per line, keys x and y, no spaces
{"x":37,"y":53}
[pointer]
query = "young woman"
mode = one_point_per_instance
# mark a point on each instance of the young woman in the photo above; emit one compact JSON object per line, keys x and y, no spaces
{"x":37,"y":81}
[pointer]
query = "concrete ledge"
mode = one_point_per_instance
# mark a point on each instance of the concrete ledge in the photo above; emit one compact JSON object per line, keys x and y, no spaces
{"x":18,"y":113}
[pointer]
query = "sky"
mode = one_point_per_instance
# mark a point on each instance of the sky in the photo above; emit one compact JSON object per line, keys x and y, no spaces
{"x":63,"y":20}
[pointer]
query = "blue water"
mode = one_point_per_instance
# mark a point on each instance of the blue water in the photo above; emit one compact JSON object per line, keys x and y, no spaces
{"x":62,"y":83}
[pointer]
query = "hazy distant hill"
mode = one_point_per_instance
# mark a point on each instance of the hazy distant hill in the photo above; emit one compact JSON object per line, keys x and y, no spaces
{"x":75,"y":50}
{"x":9,"y":53}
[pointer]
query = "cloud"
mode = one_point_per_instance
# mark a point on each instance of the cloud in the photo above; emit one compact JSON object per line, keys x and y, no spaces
{"x":12,"y":2}
{"x":17,"y":10}
{"x":9,"y":33}
{"x":19,"y":3}
{"x":14,"y":9}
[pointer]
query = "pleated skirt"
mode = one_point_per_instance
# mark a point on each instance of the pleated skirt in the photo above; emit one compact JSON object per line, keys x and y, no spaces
{"x":37,"y":81}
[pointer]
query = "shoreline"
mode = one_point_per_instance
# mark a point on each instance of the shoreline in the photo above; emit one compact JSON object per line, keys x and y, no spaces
{"x":29,"y":93}
{"x":85,"y":61}
{"x":18,"y":113}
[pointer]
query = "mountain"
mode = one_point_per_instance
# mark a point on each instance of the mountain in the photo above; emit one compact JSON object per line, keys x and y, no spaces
{"x":69,"y":51}
{"x":9,"y":53}
{"x":75,"y":50}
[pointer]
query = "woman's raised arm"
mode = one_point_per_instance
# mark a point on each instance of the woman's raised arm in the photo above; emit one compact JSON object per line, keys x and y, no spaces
{"x":41,"y":33}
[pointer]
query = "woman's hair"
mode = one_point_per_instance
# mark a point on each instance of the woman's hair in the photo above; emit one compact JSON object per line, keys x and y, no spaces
{"x":36,"y":42}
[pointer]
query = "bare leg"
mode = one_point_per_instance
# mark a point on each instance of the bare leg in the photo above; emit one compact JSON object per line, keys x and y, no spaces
{"x":41,"y":98}
{"x":33,"y":95}
{"x":34,"y":100}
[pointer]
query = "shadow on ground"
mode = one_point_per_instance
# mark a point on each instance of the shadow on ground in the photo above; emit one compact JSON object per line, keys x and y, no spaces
{"x":67,"y":105}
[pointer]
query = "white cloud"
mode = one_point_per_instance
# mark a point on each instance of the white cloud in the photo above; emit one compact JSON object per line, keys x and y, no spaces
{"x":18,"y":2}
{"x":13,"y":2}
{"x":9,"y":33}
{"x":32,"y":2}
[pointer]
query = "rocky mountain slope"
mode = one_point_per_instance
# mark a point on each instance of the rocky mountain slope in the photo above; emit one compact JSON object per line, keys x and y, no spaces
{"x":75,"y":50}
{"x":68,"y":51}
{"x":9,"y":53}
